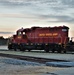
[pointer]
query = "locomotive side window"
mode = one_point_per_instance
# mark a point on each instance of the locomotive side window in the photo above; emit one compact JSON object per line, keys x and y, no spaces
{"x":23,"y":33}
{"x":19,"y":33}
{"x":64,"y":29}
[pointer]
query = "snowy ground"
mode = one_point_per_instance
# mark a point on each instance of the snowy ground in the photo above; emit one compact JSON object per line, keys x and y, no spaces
{"x":10,"y":66}
{"x":3,"y":47}
{"x":68,"y":57}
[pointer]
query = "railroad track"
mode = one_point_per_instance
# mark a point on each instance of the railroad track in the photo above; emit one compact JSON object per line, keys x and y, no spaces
{"x":36,"y":51}
{"x":31,"y":58}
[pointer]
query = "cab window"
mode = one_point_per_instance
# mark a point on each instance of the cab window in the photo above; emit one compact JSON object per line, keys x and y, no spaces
{"x":19,"y":33}
{"x":23,"y":33}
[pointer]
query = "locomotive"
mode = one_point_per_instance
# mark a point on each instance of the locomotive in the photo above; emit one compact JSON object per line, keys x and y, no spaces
{"x":42,"y":38}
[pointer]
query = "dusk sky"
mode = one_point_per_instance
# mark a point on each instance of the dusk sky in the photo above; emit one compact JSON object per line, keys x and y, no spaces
{"x":15,"y":14}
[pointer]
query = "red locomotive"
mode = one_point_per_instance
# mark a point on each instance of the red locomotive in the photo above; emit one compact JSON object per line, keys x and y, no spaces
{"x":41,"y":38}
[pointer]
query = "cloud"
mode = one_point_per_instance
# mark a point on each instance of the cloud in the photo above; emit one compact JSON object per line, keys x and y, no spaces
{"x":34,"y":2}
{"x":1,"y":32}
{"x":70,"y":3}
{"x":15,"y":3}
{"x":45,"y":18}
{"x":57,"y":18}
{"x":18,"y":15}
{"x":55,"y":5}
{"x":57,"y":10}
{"x":38,"y":12}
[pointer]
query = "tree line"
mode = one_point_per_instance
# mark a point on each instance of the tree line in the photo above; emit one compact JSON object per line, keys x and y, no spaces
{"x":3,"y":41}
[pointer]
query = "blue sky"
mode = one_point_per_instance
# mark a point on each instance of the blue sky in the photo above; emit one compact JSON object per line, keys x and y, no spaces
{"x":15,"y":14}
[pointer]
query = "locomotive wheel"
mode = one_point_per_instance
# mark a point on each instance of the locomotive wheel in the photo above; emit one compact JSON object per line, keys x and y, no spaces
{"x":59,"y":51}
{"x":53,"y":51}
{"x":9,"y":47}
{"x":46,"y":50}
{"x":21,"y":49}
{"x":15,"y":49}
{"x":29,"y":50}
{"x":64,"y":51}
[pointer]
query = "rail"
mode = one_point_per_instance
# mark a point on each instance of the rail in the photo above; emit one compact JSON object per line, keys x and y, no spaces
{"x":31,"y":58}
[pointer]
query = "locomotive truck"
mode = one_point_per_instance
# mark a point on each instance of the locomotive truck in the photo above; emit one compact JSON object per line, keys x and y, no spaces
{"x":42,"y":38}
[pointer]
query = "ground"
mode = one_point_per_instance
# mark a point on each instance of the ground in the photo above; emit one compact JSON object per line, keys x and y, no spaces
{"x":7,"y":67}
{"x":10,"y":66}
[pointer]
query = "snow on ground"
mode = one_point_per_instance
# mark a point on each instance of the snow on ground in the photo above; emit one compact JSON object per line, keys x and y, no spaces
{"x":67,"y":71}
{"x":9,"y":66}
{"x":68,"y":57}
{"x":3,"y":47}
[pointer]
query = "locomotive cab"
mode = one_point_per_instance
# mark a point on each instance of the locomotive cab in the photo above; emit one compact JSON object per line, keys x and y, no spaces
{"x":18,"y":39}
{"x":21,"y":36}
